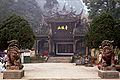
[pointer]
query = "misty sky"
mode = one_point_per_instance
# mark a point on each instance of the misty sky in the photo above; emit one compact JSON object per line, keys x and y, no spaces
{"x":78,"y":5}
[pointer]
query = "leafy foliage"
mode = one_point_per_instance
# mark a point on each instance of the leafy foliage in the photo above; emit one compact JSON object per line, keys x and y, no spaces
{"x":27,"y":8}
{"x":97,"y":7}
{"x":16,"y":28}
{"x":103,"y":27}
{"x":117,"y":32}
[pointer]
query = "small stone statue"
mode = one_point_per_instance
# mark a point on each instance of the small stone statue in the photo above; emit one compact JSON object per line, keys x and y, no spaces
{"x":14,"y":61}
{"x":107,"y":56}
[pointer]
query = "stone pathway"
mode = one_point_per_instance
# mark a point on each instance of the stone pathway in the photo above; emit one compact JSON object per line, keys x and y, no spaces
{"x":59,"y":71}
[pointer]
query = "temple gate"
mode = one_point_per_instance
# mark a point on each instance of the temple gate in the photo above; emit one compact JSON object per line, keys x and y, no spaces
{"x":63,"y":37}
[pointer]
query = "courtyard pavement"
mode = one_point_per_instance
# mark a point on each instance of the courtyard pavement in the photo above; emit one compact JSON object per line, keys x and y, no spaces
{"x":58,"y":71}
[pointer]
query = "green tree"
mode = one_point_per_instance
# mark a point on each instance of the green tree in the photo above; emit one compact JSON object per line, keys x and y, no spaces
{"x":27,"y":8}
{"x":117,"y":32}
{"x":103,"y":27}
{"x":16,"y":27}
{"x":97,"y":7}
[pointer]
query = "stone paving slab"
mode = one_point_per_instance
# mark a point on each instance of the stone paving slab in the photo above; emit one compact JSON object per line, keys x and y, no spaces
{"x":58,"y":71}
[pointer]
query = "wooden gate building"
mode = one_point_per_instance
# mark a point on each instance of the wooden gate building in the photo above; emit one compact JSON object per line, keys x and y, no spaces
{"x":63,"y":36}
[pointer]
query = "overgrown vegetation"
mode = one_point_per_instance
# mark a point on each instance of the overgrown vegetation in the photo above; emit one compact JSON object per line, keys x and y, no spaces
{"x":97,"y":7}
{"x":103,"y":27}
{"x":27,"y":8}
{"x":16,"y":28}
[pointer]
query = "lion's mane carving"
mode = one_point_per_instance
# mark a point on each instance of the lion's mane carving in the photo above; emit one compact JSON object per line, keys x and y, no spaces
{"x":14,"y":61}
{"x":107,"y":55}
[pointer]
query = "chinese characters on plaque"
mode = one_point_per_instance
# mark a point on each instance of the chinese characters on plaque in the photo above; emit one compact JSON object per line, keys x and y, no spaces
{"x":62,"y":27}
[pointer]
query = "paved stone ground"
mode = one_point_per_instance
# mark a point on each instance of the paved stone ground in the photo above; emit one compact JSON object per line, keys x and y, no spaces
{"x":59,"y":71}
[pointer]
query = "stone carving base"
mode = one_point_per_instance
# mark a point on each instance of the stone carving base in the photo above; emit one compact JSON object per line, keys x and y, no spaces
{"x":13,"y":74}
{"x":13,"y":68}
{"x":108,"y":74}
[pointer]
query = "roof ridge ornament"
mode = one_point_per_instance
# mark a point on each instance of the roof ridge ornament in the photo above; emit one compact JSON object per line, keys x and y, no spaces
{"x":80,"y":15}
{"x":64,"y":8}
{"x":71,"y":9}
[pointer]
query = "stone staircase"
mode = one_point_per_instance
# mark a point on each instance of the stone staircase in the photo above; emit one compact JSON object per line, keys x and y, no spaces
{"x":38,"y":59}
{"x":59,"y":59}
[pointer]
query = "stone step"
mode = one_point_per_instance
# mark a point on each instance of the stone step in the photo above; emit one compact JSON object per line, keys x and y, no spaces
{"x":67,"y":79}
{"x":38,"y":59}
{"x":59,"y":60}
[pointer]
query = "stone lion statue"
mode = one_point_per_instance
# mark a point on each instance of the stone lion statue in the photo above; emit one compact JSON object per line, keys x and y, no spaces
{"x":14,"y":61}
{"x":107,"y":55}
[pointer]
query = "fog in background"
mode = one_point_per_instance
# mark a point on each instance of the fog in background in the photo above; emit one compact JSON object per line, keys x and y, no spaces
{"x":77,"y":5}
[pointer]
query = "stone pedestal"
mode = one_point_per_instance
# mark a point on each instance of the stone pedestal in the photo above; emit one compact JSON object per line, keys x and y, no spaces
{"x":13,"y":74}
{"x":108,"y":74}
